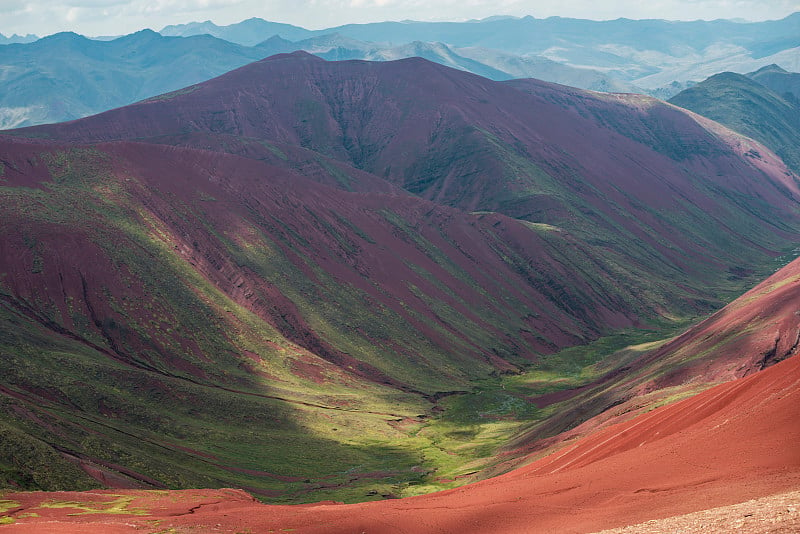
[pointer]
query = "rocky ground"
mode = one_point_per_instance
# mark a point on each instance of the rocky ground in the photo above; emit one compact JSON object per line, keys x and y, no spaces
{"x":776,"y":514}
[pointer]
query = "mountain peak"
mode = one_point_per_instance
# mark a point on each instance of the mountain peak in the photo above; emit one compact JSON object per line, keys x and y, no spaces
{"x":65,"y":39}
{"x":142,"y":35}
{"x":769,"y":68}
{"x":297,"y":54}
{"x":65,"y":36}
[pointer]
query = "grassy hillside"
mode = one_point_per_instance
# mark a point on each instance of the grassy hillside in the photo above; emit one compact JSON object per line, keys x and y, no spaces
{"x":750,"y":108}
{"x":193,"y":322}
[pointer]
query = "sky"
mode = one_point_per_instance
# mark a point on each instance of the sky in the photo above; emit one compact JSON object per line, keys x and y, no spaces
{"x":119,"y":17}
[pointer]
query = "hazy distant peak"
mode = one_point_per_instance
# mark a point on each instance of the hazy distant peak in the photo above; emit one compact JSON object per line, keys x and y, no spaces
{"x":495,"y":18}
{"x":275,"y":40}
{"x":65,"y":38}
{"x":18,"y":39}
{"x":177,"y":29}
{"x":142,"y":35}
{"x":769,"y":68}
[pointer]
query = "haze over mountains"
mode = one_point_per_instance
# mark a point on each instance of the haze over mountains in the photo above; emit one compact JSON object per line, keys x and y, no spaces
{"x":17,"y":39}
{"x":67,"y":76}
{"x":650,"y":53}
{"x":63,"y":77}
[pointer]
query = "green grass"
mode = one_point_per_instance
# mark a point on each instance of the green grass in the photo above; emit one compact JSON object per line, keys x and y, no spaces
{"x":345,"y":455}
{"x":118,"y":506}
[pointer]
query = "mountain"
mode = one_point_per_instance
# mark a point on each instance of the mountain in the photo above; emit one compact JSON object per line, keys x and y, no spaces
{"x":753,"y":333}
{"x":249,"y":32}
{"x":709,"y":450}
{"x":750,"y":108}
{"x":447,"y":136}
{"x":66,"y":76}
{"x":630,"y":50}
{"x":224,"y":308}
{"x":716,"y":60}
{"x":541,"y":68}
{"x":491,"y":64}
{"x":29,"y":38}
{"x":786,"y":84}
{"x":647,"y":53}
{"x":315,"y":279}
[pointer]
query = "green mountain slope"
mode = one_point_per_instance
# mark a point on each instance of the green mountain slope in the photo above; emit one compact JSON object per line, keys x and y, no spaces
{"x":750,"y":108}
{"x":786,"y":84}
{"x":66,"y":76}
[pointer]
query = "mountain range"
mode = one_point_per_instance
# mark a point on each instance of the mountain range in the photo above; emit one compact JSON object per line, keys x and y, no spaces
{"x":649,"y":53}
{"x":17,"y":39}
{"x":354,"y":280}
{"x":67,"y":76}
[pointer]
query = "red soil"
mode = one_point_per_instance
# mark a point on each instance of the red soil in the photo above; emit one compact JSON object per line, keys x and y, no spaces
{"x":732,"y":443}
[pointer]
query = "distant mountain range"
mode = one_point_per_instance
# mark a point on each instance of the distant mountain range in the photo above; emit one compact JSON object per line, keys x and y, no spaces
{"x":249,"y":32}
{"x":492,"y":64}
{"x":66,"y":76}
{"x":17,"y":39}
{"x":763,"y":105}
{"x":647,"y":53}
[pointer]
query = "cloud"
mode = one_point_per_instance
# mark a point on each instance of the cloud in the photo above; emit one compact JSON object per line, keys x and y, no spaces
{"x":92,"y":3}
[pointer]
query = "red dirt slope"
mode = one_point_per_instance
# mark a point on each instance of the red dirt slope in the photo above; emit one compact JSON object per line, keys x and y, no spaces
{"x":734,"y":442}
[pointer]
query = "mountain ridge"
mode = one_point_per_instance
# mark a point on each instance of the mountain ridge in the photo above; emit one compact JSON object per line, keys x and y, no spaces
{"x":614,"y":45}
{"x":374,"y":136}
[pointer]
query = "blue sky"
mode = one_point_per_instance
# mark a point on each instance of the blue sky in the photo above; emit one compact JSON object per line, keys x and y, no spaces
{"x":117,"y":17}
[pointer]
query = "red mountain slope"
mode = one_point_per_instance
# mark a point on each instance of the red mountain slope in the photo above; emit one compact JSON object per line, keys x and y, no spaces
{"x":232,"y":220}
{"x":662,"y":200}
{"x":757,"y":330}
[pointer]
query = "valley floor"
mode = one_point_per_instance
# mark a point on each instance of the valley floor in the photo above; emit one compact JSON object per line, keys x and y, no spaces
{"x":730,"y":444}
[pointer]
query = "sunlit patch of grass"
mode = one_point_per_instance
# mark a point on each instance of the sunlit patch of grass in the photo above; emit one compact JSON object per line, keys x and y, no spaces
{"x":541,"y":227}
{"x":6,"y":505}
{"x":118,"y":506}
